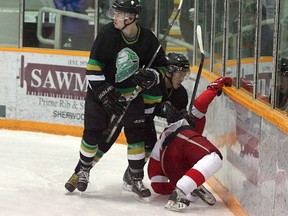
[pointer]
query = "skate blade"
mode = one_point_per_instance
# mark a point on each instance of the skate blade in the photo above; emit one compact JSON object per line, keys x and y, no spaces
{"x":127,"y":187}
{"x":206,"y":197}
{"x":173,"y":206}
{"x":142,"y":199}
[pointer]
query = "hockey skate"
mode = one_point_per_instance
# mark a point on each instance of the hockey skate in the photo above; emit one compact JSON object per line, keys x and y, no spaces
{"x":71,"y":184}
{"x":83,"y":178}
{"x":142,"y":193}
{"x":177,"y":201}
{"x":127,"y":180}
{"x":205,"y":195}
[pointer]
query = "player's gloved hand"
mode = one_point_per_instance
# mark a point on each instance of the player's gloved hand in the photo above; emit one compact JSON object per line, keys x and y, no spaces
{"x":113,"y":101}
{"x":169,"y":112}
{"x":146,"y":78}
{"x":190,"y":118}
{"x":172,"y":115}
{"x":218,"y":84}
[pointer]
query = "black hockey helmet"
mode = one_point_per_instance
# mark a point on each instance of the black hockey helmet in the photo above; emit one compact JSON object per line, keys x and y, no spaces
{"x":284,"y":66}
{"x":177,"y":62}
{"x":128,"y":6}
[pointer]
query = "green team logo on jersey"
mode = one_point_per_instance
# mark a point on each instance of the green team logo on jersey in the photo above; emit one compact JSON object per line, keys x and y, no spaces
{"x":127,"y":64}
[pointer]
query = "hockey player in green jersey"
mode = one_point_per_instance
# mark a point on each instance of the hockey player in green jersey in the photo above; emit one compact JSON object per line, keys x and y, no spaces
{"x":115,"y":68}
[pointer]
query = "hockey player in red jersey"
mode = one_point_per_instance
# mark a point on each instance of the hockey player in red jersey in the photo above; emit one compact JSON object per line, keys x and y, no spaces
{"x":182,"y":159}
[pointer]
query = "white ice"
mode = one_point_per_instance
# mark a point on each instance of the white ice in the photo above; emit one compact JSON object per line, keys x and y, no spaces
{"x":35,"y":167}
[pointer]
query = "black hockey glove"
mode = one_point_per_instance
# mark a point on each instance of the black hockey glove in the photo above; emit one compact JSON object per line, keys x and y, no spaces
{"x":172,"y":115}
{"x":190,"y":118}
{"x":146,"y":78}
{"x":169,"y":112}
{"x":113,"y":101}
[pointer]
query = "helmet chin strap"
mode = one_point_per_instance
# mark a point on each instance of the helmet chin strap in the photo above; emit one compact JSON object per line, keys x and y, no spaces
{"x":170,"y":80}
{"x":125,"y":24}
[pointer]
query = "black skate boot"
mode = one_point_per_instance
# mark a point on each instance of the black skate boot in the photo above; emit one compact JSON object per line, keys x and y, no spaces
{"x":83,"y":178}
{"x":205,"y":195}
{"x":177,"y":201}
{"x":138,"y":187}
{"x":72,"y":183}
{"x":127,"y":185}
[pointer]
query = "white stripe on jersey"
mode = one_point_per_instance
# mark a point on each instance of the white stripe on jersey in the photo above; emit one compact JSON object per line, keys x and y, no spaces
{"x":95,"y":77}
{"x":149,"y":110}
{"x":191,"y":141}
{"x":195,"y":112}
{"x":159,"y":179}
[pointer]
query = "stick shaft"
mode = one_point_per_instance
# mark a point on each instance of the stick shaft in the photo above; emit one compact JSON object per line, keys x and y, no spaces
{"x":200,"y":42}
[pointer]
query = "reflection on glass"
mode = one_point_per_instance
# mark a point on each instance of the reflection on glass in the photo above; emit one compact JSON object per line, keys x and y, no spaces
{"x":248,"y":32}
{"x":233,"y":28}
{"x":186,"y":22}
{"x":9,"y":24}
{"x":147,"y":18}
{"x":76,"y":32}
{"x":282,"y":85}
{"x":219,"y":8}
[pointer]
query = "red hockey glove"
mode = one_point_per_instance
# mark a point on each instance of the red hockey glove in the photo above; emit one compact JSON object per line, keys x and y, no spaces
{"x":218,"y":84}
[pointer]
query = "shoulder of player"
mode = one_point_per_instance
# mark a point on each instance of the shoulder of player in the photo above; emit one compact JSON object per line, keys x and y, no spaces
{"x":181,"y":91}
{"x":147,"y":32}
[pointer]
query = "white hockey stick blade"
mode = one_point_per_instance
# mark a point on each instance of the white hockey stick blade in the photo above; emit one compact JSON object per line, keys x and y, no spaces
{"x":180,"y":5}
{"x":199,"y":38}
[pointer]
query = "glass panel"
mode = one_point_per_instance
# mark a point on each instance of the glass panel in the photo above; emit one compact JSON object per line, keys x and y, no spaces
{"x":266,"y":51}
{"x":186,"y":21}
{"x":147,"y":16}
{"x":248,"y":28}
{"x":104,"y":6}
{"x":204,"y":20}
{"x":218,"y":42}
{"x":9,"y":25}
{"x":232,"y":36}
{"x":248,"y":45}
{"x":282,"y":73}
{"x":64,"y":25}
{"x":233,"y":8}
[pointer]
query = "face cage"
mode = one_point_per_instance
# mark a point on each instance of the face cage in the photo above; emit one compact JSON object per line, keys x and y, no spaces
{"x":181,"y":75}
{"x":173,"y":68}
{"x":116,"y":14}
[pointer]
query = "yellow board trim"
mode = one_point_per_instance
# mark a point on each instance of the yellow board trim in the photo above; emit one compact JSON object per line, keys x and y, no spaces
{"x":49,"y":128}
{"x":45,"y":51}
{"x":231,"y":202}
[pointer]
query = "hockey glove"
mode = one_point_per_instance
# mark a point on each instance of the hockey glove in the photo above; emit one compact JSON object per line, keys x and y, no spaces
{"x":169,"y":112}
{"x":218,"y":84}
{"x":146,"y":78}
{"x":113,"y":101}
{"x":172,"y":115}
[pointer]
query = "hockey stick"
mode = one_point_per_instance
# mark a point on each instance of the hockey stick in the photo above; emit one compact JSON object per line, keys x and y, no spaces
{"x":166,"y":34}
{"x":200,"y":43}
{"x":114,"y":124}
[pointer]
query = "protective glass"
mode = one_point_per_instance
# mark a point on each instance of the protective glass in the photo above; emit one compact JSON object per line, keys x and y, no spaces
{"x":116,"y":14}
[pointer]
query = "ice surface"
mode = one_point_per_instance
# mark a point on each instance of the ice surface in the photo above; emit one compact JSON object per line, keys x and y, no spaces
{"x":35,"y":167}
